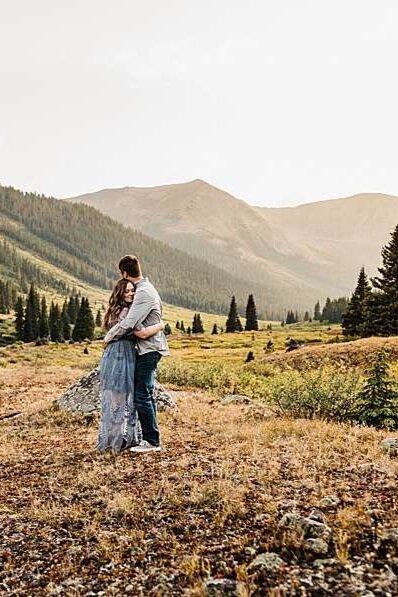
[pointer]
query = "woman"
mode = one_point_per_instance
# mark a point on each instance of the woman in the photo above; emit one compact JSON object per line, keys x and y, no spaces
{"x":118,"y":425}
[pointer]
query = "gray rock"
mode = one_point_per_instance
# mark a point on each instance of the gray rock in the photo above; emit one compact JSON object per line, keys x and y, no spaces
{"x":329,"y":502}
{"x":317,"y":515}
{"x":317,"y":530}
{"x":318,"y":547}
{"x":236,"y":399}
{"x":223,"y":587}
{"x":291,"y":521}
{"x":390,"y":445}
{"x":267,"y":562}
{"x":84,"y":395}
{"x":309,"y":527}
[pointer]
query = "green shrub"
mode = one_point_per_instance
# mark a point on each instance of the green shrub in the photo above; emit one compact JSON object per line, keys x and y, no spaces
{"x":327,"y":392}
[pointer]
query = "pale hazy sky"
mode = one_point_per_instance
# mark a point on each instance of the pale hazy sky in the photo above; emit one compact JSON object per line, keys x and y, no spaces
{"x":277,"y":101}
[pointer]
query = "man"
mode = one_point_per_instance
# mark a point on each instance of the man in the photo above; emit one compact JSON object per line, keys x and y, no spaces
{"x":147,"y":310}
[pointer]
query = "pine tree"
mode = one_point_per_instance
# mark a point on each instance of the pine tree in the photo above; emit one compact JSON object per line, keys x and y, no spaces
{"x":55,"y":323}
{"x":251,"y":315}
{"x":167,"y":329}
{"x":197,"y":325}
{"x":354,"y":318}
{"x":79,"y":330}
{"x":306,"y":316}
{"x":290,"y":317}
{"x":98,"y":319}
{"x":44,"y":328}
{"x":32,"y":313}
{"x":65,"y":321}
{"x":189,"y":331}
{"x":378,"y":400}
{"x":233,"y":323}
{"x":19,"y":318}
{"x":89,"y":323}
{"x":326,"y":311}
{"x":317,"y":312}
{"x":214,"y":331}
{"x":382,"y":306}
{"x":182,"y":327}
{"x":177,"y":325}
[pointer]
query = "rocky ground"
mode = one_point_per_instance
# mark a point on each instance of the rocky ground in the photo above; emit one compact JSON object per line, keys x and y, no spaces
{"x":238,"y":502}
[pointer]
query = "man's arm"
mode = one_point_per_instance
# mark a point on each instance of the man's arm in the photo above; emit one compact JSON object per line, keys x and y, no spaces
{"x":139,"y":311}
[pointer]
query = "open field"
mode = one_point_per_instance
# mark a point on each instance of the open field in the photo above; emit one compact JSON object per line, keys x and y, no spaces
{"x":73,"y":522}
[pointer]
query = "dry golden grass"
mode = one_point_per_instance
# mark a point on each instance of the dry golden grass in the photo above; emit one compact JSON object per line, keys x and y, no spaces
{"x":161,"y":523}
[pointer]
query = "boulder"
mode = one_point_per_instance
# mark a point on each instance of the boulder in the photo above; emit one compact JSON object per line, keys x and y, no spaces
{"x":84,"y":395}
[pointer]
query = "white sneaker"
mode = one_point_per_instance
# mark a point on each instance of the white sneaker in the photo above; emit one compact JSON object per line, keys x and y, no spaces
{"x":143,"y":447}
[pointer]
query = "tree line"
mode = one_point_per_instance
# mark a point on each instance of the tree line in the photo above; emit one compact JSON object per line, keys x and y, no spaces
{"x":35,"y":321}
{"x":85,"y":243}
{"x":373,"y":307}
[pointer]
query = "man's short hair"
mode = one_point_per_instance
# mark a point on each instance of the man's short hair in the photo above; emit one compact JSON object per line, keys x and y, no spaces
{"x":131,"y":266}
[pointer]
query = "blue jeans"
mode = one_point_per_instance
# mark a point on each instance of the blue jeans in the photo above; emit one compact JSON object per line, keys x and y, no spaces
{"x":144,"y":382}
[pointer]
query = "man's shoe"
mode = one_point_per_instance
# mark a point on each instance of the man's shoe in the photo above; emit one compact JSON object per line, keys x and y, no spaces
{"x":144,"y":447}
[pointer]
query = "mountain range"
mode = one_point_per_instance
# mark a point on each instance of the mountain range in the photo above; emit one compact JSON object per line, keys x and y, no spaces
{"x":296,"y":254}
{"x":58,"y":245}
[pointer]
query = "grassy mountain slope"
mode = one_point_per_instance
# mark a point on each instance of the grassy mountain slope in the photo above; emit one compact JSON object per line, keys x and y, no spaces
{"x":298,"y":254}
{"x":81,"y":242}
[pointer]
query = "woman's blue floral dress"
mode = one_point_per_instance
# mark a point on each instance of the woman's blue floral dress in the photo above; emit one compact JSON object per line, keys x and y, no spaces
{"x":119,"y":420}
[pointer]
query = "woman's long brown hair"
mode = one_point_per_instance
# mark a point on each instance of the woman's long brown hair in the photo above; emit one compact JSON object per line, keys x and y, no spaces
{"x":116,"y":303}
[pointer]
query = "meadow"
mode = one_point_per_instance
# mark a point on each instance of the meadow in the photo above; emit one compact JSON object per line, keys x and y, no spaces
{"x":244,"y":499}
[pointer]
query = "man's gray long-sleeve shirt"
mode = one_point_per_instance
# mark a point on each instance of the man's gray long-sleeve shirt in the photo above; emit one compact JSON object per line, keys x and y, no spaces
{"x":145,"y":310}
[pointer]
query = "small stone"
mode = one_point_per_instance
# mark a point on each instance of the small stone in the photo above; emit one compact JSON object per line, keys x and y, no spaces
{"x":292,"y":521}
{"x":390,"y":445}
{"x":317,"y":530}
{"x":316,"y":546}
{"x":329,"y":502}
{"x":268,"y":562}
{"x":317,"y":515}
{"x":223,"y":587}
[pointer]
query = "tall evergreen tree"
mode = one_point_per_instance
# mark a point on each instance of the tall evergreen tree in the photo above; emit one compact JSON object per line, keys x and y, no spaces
{"x":354,"y":318}
{"x":85,"y":326}
{"x":214,"y":331}
{"x":233,"y":323}
{"x":55,"y":323}
{"x":251,"y":315}
{"x":177,"y":325}
{"x":383,"y":304}
{"x":44,"y":328}
{"x":306,"y":316}
{"x":182,"y":327}
{"x":32,"y":314}
{"x":167,"y":329}
{"x":98,"y":319}
{"x":317,"y":312}
{"x":19,"y":318}
{"x":65,"y":321}
{"x":197,"y":325}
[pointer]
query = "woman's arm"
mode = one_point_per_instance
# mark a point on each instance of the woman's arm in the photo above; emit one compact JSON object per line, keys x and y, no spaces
{"x":149,"y":331}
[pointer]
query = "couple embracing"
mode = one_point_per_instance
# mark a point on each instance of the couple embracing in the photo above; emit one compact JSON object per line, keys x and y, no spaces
{"x":135,"y":343}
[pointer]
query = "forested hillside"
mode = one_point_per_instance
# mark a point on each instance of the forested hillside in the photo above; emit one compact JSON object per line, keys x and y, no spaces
{"x":80,"y":240}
